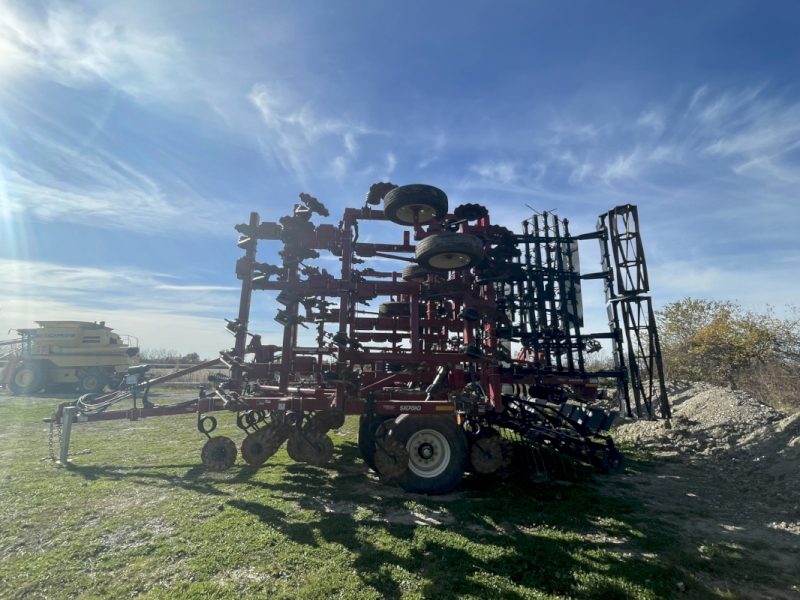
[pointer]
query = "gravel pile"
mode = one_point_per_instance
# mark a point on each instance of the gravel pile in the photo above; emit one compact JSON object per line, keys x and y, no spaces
{"x":736,"y":435}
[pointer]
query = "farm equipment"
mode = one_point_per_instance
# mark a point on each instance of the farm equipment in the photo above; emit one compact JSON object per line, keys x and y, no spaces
{"x":469,"y":337}
{"x":83,"y":356}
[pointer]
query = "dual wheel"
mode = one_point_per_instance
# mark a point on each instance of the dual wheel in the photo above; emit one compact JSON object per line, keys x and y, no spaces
{"x":439,"y":253}
{"x":425,"y":454}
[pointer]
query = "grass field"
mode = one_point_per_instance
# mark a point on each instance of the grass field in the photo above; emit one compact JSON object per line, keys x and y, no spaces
{"x":137,"y":516}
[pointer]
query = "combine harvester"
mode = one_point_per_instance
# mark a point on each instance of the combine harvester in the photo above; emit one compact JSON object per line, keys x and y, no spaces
{"x":477,"y":338}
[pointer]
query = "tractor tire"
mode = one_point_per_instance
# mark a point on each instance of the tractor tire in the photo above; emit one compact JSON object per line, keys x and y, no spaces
{"x":415,"y":273}
{"x":94,"y":381}
{"x":394,"y":309}
{"x":400,"y":204}
{"x":28,"y":378}
{"x":449,"y":252}
{"x":367,"y":427}
{"x":437,"y":452}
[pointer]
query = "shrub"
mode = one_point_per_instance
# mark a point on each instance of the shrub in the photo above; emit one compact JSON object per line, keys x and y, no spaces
{"x":723,"y":344}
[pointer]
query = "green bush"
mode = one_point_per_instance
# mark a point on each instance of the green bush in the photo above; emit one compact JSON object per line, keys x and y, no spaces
{"x":724,"y":344}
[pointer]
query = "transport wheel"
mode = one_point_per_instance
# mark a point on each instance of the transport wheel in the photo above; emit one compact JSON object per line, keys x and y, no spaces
{"x":437,"y":452}
{"x":367,"y":426}
{"x":400,"y":204}
{"x":394,"y":309}
{"x":218,"y":454}
{"x":93,"y":381}
{"x":449,"y":251}
{"x":28,"y":379}
{"x":415,"y":273}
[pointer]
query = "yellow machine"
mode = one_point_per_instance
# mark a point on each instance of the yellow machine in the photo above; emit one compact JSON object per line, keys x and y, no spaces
{"x":85,"y":356}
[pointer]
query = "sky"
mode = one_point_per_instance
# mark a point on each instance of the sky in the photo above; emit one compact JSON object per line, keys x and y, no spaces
{"x":135,"y":135}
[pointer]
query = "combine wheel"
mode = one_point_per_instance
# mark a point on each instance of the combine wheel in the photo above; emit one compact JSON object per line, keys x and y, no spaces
{"x":486,"y":454}
{"x":394,"y":309}
{"x":218,"y":454}
{"x":437,"y":452}
{"x":367,"y":427}
{"x":400,"y":204}
{"x":449,"y":251}
{"x":93,"y":381}
{"x":391,"y":458}
{"x":28,"y":379}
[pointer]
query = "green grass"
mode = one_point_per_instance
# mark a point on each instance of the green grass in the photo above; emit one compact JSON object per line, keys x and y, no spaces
{"x":139,"y":517}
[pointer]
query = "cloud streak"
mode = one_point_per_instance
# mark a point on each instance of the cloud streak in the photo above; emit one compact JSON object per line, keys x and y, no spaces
{"x":298,"y":138}
{"x":95,"y":188}
{"x":77,"y":50}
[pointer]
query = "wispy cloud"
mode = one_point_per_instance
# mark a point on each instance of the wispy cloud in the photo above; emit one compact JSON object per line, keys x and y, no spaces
{"x":500,"y":172}
{"x":95,"y":188}
{"x":297,"y":135}
{"x":77,"y":49}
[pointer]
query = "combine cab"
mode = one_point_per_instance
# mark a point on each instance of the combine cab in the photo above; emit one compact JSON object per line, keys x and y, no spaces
{"x":78,"y":355}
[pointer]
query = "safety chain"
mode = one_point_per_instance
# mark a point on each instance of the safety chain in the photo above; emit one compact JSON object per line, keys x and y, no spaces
{"x":53,"y":425}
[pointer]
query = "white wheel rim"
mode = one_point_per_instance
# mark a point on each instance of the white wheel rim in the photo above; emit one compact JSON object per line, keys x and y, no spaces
{"x":450,"y":260}
{"x":24,"y":378}
{"x":428,"y":453}
{"x":406,"y":214}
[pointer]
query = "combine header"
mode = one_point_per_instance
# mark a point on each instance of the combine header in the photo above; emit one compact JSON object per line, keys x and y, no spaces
{"x":469,"y":336}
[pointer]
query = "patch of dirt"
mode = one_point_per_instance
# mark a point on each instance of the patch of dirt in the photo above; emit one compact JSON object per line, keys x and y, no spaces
{"x":129,"y":537}
{"x":728,"y":469}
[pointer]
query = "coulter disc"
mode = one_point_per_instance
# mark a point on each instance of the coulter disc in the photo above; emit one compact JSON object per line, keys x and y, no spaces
{"x":218,"y":454}
{"x":391,"y":457}
{"x":486,"y":454}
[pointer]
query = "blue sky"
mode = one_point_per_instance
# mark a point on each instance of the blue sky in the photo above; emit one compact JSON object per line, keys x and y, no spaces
{"x":133,"y":136}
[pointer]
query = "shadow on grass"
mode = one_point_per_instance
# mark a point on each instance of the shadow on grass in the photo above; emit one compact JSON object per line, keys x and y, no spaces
{"x":501,"y":535}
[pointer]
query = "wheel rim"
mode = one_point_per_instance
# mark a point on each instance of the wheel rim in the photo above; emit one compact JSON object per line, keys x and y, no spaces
{"x":406,"y":213}
{"x":90,"y":382}
{"x":450,"y":261}
{"x":428,"y":453}
{"x":24,"y":378}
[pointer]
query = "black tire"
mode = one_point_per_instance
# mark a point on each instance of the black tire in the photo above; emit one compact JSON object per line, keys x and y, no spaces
{"x":429,"y":202}
{"x":449,"y":252}
{"x":442,"y":469}
{"x":94,"y":381}
{"x":395,"y":309}
{"x":367,"y":426}
{"x":28,"y":378}
{"x":415,"y":273}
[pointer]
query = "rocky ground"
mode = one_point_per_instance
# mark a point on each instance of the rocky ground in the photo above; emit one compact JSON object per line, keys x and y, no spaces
{"x":728,"y":467}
